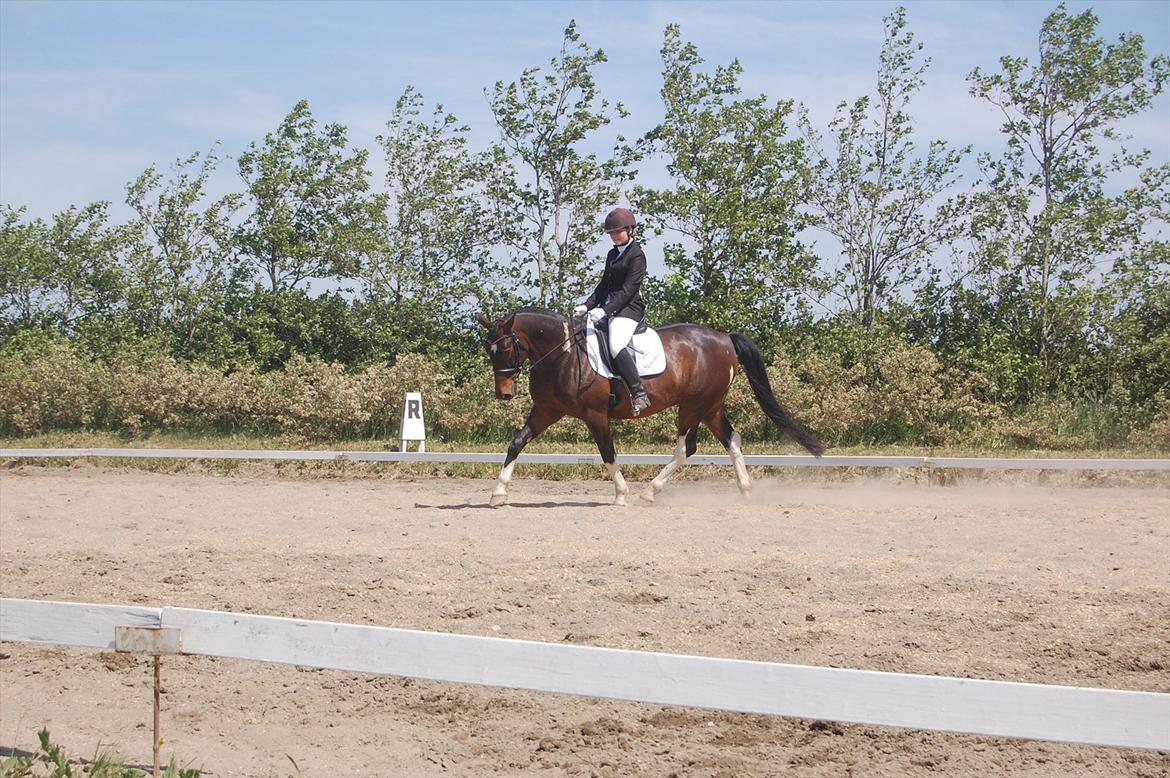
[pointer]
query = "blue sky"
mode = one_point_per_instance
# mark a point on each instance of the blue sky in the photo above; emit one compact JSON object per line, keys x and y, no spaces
{"x":91,"y":93}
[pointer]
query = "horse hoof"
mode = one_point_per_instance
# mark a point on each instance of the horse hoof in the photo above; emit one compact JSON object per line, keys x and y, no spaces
{"x":498,"y":500}
{"x":648,"y":495}
{"x":620,"y":500}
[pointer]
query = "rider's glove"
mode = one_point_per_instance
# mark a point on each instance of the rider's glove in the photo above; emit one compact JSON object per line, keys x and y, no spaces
{"x":579,"y":311}
{"x":596,"y":315}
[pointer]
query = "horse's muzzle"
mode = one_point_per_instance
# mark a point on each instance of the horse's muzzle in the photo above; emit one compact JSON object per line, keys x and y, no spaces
{"x":505,"y":388}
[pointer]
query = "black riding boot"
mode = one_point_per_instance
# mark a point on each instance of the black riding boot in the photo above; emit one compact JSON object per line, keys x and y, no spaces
{"x":624,"y":362}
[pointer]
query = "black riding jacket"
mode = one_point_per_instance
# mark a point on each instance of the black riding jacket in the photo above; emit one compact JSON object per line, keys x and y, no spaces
{"x":620,"y":290}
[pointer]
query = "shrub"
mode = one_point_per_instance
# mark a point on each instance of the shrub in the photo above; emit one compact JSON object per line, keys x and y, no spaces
{"x":1157,"y":435}
{"x":848,"y":387}
{"x":878,"y":388}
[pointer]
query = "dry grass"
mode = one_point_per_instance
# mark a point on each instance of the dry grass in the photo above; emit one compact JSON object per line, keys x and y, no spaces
{"x":898,"y":395}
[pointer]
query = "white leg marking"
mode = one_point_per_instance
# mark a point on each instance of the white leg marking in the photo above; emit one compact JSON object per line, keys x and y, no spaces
{"x":741,"y":473}
{"x":619,"y":484}
{"x":680,"y":456}
{"x":500,"y":493}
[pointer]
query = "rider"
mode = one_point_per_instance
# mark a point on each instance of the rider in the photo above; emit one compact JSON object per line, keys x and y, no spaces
{"x":618,"y":297}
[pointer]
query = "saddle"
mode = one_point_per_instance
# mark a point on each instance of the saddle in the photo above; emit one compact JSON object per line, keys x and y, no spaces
{"x":646,"y":346}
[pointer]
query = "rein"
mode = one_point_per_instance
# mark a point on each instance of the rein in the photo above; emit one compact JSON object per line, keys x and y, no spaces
{"x":518,"y":364}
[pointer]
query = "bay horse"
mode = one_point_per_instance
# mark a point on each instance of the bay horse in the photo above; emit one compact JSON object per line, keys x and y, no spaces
{"x":701,"y":363}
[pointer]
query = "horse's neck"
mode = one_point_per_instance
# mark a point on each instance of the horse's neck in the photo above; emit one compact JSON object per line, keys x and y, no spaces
{"x":541,"y":332}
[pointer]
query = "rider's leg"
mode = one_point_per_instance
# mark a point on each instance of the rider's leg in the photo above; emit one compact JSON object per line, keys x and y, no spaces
{"x":621,"y":332}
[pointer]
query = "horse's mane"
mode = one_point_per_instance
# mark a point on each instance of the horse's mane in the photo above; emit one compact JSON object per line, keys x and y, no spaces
{"x":540,"y":312}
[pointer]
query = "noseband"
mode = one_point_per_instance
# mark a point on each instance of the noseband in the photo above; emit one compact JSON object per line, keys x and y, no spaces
{"x":517,"y":355}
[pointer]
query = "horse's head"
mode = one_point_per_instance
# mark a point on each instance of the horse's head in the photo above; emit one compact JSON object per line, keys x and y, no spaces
{"x":504,"y":350}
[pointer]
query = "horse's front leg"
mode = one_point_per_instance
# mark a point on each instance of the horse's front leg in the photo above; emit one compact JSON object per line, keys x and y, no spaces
{"x":538,"y":421}
{"x":599,"y":426}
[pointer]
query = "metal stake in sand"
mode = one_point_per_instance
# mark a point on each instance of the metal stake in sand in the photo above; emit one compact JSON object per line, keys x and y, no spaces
{"x":156,"y":641}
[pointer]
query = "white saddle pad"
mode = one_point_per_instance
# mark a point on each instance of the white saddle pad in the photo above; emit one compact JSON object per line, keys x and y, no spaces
{"x":649,"y":355}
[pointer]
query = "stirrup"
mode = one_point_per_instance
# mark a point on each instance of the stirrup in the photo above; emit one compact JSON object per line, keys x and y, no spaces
{"x":639,"y":402}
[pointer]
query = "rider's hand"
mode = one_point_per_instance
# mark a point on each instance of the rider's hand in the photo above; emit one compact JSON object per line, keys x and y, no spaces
{"x":596,"y":315}
{"x":579,"y":311}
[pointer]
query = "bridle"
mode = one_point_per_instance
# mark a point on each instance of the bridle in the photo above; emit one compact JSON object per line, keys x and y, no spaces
{"x":518,"y":353}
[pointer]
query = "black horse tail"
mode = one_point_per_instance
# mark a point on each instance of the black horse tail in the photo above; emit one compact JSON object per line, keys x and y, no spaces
{"x":753,"y":365}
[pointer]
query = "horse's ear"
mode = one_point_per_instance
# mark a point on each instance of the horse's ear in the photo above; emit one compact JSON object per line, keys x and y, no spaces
{"x":479,"y":317}
{"x":506,"y":324}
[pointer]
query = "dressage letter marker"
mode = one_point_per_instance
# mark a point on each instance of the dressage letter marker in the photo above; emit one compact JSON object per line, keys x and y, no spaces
{"x":413,"y":427}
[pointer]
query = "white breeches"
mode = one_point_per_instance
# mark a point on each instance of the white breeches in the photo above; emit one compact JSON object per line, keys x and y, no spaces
{"x":621,"y":331}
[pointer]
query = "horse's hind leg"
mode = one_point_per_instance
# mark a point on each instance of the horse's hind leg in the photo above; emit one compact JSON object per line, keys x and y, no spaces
{"x":683,"y":449}
{"x":536,"y":423}
{"x":687,"y":429}
{"x":599,"y":426}
{"x":716,"y":421}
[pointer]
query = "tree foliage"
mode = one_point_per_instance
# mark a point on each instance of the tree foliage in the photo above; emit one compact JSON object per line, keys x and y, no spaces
{"x":182,"y":266}
{"x":875,"y":194}
{"x":1052,"y":215}
{"x":733,"y":208}
{"x":549,"y":188}
{"x":436,"y":263}
{"x":312,"y":215}
{"x":62,"y":272}
{"x":26,"y":272}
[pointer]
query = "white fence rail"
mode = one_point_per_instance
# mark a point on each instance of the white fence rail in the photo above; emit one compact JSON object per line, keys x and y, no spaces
{"x":1104,"y":717}
{"x":964,"y":463}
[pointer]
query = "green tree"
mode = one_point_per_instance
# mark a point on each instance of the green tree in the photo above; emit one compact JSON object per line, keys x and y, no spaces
{"x":272,"y":327}
{"x":738,"y":181}
{"x":548,"y":191}
{"x":26,"y":272}
{"x":62,"y":272}
{"x":181,"y":264}
{"x":420,"y":290}
{"x":875,"y":193}
{"x":312,"y":215}
{"x":1133,"y":343}
{"x":88,"y":276}
{"x":1052,"y":214}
